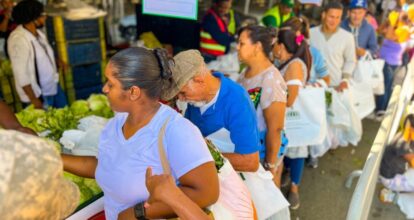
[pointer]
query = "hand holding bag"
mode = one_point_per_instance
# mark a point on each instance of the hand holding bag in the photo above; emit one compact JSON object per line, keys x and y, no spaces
{"x":234,"y":200}
{"x":305,"y":121}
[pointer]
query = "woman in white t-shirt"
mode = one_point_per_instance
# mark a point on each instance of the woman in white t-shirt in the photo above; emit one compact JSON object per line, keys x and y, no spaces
{"x":129,"y":142}
{"x":268,"y":89}
{"x":293,"y":54}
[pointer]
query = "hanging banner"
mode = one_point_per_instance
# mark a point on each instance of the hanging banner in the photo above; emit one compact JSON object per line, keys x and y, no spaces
{"x":315,"y":2}
{"x":185,"y":9}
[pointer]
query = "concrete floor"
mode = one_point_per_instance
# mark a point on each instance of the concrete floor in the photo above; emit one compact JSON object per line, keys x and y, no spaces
{"x":323,"y":193}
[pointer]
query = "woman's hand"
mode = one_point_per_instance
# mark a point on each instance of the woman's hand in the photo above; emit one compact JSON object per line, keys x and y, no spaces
{"x":37,"y":104}
{"x":26,"y":130}
{"x":342,"y":86}
{"x":160,"y":187}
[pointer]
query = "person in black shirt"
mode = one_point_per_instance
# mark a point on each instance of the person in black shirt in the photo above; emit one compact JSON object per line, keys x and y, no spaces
{"x":397,"y":165}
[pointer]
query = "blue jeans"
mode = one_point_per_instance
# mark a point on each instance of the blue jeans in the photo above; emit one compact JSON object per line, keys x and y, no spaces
{"x":382,"y":100}
{"x":296,"y":167}
{"x":57,"y":101}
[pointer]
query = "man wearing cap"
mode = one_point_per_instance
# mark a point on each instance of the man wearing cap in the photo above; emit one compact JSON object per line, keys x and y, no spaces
{"x":280,"y":13}
{"x":32,"y":185}
{"x":220,"y":108}
{"x":364,"y":33}
{"x":336,"y":45}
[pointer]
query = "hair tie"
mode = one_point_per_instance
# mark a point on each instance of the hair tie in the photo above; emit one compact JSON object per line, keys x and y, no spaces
{"x":299,"y":39}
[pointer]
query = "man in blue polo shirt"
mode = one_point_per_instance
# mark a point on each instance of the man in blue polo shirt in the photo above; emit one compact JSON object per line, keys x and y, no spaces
{"x":220,"y":108}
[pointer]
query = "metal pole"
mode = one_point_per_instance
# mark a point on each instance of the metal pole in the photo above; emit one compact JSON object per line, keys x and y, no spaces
{"x":246,"y":7}
{"x":270,"y":4}
{"x":385,"y":12}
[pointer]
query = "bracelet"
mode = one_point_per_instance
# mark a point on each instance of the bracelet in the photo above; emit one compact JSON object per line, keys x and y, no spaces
{"x":268,"y":166}
{"x":139,"y":211}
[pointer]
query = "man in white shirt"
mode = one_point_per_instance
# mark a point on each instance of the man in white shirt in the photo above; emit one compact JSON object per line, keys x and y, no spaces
{"x":336,"y":45}
{"x":32,"y":58}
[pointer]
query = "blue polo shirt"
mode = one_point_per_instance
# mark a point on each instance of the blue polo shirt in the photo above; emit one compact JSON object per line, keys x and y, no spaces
{"x":232,"y":111}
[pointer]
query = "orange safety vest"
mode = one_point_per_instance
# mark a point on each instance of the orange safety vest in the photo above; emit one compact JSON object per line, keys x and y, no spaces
{"x":207,"y":44}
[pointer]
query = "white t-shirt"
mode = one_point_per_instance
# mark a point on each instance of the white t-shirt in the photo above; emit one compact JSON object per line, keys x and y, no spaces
{"x":212,"y":102}
{"x":122,"y":163}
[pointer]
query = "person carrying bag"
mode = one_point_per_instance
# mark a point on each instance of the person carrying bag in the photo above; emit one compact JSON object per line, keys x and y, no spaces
{"x":234,"y":201}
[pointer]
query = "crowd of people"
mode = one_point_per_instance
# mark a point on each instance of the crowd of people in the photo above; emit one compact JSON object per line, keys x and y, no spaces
{"x":245,"y":119}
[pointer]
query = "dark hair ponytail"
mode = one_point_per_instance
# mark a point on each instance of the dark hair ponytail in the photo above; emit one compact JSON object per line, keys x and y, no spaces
{"x":150,"y":70}
{"x":288,"y":37}
{"x":300,"y":24}
{"x":265,"y":35}
{"x":165,"y":63}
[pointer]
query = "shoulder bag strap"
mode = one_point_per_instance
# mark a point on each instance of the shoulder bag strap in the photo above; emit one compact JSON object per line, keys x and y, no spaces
{"x":164,"y":160}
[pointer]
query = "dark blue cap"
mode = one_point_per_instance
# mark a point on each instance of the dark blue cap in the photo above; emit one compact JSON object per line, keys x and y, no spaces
{"x":358,"y":4}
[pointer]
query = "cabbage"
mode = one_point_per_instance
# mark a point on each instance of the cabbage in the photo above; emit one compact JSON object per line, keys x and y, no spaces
{"x":92,"y":185}
{"x":86,"y":194}
{"x":73,"y":177}
{"x":97,"y":102}
{"x":99,"y":105}
{"x":88,"y":187}
{"x":80,"y":108}
{"x":58,"y":121}
{"x":32,"y":118}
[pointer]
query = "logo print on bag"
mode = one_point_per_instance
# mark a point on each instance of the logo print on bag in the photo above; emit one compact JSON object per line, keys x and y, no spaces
{"x":293,"y":115}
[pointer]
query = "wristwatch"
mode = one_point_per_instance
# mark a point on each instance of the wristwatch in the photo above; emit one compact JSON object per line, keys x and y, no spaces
{"x":139,"y":211}
{"x":269,"y":166}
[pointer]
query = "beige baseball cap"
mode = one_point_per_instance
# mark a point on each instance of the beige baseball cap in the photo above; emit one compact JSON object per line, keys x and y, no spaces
{"x":31,"y":179}
{"x":187,"y":64}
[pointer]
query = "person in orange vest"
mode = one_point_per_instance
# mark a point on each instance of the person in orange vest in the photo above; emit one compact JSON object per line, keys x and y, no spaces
{"x":215,"y":38}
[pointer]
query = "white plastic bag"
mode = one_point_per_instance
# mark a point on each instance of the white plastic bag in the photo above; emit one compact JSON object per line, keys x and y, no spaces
{"x":320,"y":149}
{"x":234,"y":201}
{"x":351,"y":134}
{"x":362,"y":98}
{"x":370,"y":71}
{"x":337,"y":111}
{"x":267,"y":198}
{"x":305,"y":121}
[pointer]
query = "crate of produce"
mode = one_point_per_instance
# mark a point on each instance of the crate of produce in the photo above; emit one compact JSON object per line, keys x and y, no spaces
{"x":63,"y":30}
{"x":84,"y":53}
{"x":87,"y":75}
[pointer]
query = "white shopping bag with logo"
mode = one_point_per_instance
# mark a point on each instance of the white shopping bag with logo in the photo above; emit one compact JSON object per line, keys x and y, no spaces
{"x":370,"y":71}
{"x":267,"y":198}
{"x":305,"y":121}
